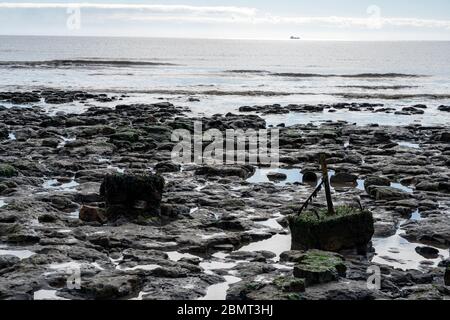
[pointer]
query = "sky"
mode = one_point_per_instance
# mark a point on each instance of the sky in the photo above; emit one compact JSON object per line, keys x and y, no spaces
{"x":368,"y":20}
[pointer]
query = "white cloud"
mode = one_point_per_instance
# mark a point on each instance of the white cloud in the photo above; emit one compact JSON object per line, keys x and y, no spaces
{"x":150,"y":8}
{"x":231,"y":14}
{"x":368,"y":22}
{"x":274,"y":20}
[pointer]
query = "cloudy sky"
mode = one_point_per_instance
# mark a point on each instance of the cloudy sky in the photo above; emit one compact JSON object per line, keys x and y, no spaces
{"x":250,"y":19}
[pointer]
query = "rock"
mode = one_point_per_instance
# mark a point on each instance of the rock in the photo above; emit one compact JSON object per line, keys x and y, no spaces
{"x":343,"y":178}
{"x":7,"y":171}
{"x":427,"y":186}
{"x":428,"y":252}
{"x":276,"y":176}
{"x":132,"y":195}
{"x":318,"y":267}
{"x":167,"y":166}
{"x":8,"y":227}
{"x":128,"y":136}
{"x":251,"y":290}
{"x":445,"y":263}
{"x":47,"y":218}
{"x":309,"y":177}
{"x":447,"y":276}
{"x":107,"y":286}
{"x":243,"y":172}
{"x":444,"y":108}
{"x":290,"y":284}
{"x":347,"y":290}
{"x":434,"y":186}
{"x":375,"y":181}
{"x":4,"y":132}
{"x":23,"y":238}
{"x":349,"y":228}
{"x":291,"y":256}
{"x":92,"y":214}
{"x":435,"y":230}
{"x":381,"y":137}
{"x":257,"y":256}
{"x":247,"y":109}
{"x":7,"y":261}
{"x":223,"y":247}
{"x":387,"y":193}
{"x":51,"y":143}
{"x":413,"y":110}
{"x":445,"y":137}
{"x":191,"y":260}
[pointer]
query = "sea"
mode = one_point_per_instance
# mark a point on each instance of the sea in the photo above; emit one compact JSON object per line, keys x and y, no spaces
{"x":219,"y":76}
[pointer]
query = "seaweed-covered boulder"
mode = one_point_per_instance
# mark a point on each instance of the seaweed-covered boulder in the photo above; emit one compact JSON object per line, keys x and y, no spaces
{"x":318,"y":267}
{"x":7,"y":170}
{"x":289,"y":284}
{"x":132,"y":195}
{"x":349,"y":228}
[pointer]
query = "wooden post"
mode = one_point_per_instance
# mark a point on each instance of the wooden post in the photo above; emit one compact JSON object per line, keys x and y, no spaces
{"x":326,"y":182}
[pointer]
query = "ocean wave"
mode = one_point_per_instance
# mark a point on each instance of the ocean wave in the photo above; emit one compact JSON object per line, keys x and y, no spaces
{"x":430,"y":96}
{"x":285,"y":93}
{"x":360,"y":75}
{"x":248,"y":71}
{"x":321,"y":75}
{"x":399,"y":87}
{"x":248,"y":93}
{"x":79,"y":63}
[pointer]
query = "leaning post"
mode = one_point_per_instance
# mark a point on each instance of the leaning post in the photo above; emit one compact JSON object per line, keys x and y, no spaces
{"x":326,"y":182}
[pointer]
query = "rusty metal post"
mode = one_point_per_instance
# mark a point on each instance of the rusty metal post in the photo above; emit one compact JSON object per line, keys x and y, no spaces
{"x":326,"y":182}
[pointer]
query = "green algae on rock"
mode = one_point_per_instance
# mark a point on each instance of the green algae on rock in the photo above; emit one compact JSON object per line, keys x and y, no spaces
{"x":7,"y":170}
{"x":317,"y":267}
{"x":349,"y":228}
{"x":290,"y":284}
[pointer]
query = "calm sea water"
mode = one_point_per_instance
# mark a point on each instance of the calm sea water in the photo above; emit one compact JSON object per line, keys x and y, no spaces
{"x":226,"y":74}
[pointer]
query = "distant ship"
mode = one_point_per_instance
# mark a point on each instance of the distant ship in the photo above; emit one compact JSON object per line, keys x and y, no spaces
{"x":295,"y":38}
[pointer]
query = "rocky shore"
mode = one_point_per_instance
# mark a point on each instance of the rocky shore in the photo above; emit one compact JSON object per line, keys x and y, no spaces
{"x":218,"y":232}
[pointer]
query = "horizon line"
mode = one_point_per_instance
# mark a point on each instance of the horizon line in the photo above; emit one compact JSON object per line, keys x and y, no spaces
{"x":214,"y":38}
